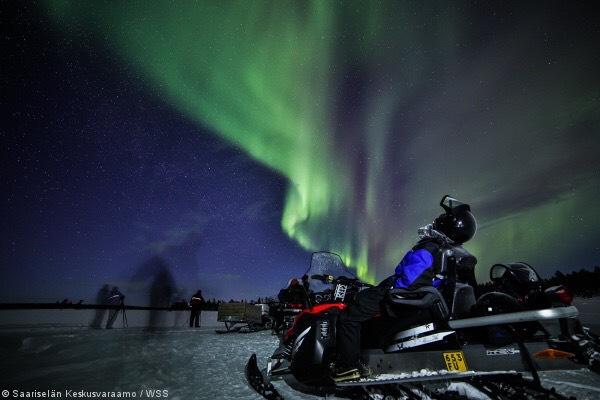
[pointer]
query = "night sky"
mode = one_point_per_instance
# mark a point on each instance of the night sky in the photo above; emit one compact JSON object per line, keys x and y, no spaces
{"x":231,"y":139}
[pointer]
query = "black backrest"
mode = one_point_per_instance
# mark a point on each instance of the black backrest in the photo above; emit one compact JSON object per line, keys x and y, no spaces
{"x":457,"y":265}
{"x":464,"y":300}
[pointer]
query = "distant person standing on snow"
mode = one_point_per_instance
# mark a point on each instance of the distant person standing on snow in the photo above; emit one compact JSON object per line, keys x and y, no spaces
{"x":196,"y":303}
{"x":115,"y":298}
{"x":101,"y":299}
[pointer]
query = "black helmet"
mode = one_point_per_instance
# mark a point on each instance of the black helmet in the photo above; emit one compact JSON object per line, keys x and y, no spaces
{"x":458,"y":223}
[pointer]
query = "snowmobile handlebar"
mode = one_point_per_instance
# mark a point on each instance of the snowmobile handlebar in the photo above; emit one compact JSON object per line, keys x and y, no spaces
{"x":322,"y":278}
{"x":340,"y":279}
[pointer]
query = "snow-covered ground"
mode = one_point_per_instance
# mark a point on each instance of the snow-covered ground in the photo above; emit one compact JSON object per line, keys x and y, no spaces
{"x":190,"y":364}
{"x":83,"y":318}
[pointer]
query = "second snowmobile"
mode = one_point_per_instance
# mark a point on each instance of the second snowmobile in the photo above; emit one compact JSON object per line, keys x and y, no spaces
{"x":495,"y":343}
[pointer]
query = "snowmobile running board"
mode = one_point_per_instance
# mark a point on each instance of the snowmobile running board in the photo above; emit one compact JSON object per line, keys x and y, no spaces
{"x":510,"y":318}
{"x":491,"y":383}
{"x":385,"y":379}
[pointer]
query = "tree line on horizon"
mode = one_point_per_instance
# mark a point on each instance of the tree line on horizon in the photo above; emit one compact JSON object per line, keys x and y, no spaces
{"x":213,"y":304}
{"x":582,"y":283}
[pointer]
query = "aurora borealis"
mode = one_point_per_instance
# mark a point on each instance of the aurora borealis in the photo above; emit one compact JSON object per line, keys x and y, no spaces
{"x":371,"y":111}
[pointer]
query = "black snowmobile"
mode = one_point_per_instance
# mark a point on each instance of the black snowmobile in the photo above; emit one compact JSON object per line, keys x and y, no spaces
{"x":426,"y":338}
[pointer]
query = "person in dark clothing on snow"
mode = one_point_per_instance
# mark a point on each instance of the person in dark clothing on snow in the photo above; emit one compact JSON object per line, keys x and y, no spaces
{"x":115,"y":298}
{"x":196,"y":303}
{"x":101,"y":299}
{"x":417,"y":269}
{"x":294,"y":293}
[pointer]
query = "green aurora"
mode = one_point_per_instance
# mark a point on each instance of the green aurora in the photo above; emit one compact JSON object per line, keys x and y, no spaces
{"x":373,"y":111}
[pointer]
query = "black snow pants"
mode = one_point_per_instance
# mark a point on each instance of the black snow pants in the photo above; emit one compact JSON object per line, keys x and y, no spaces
{"x":365,"y":306}
{"x":195,"y":318}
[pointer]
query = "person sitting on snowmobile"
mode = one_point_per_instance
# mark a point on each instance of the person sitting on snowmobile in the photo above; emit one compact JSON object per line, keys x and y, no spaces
{"x":416,"y":269}
{"x":294,"y":293}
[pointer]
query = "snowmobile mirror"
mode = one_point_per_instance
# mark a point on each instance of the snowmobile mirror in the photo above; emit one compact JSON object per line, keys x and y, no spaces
{"x":497,"y":272}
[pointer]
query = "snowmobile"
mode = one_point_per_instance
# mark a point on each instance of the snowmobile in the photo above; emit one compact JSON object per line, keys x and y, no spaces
{"x":426,"y":340}
{"x":282,"y":316}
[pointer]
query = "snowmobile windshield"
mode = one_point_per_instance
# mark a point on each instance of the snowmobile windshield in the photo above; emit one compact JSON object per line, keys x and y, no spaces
{"x":325,"y":263}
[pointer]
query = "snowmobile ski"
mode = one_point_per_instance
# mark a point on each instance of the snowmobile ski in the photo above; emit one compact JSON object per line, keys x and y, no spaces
{"x":257,"y":381}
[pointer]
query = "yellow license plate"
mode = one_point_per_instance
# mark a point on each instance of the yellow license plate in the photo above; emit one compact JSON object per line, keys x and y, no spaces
{"x":455,"y":361}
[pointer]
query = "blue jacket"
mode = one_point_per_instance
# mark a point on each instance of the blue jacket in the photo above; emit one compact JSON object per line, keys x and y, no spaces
{"x":416,"y":269}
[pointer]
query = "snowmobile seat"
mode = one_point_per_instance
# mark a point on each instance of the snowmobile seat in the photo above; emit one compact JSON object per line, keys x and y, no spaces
{"x":399,"y":301}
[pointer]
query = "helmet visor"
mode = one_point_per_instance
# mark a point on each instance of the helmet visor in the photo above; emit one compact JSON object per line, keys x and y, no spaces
{"x":450,"y":204}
